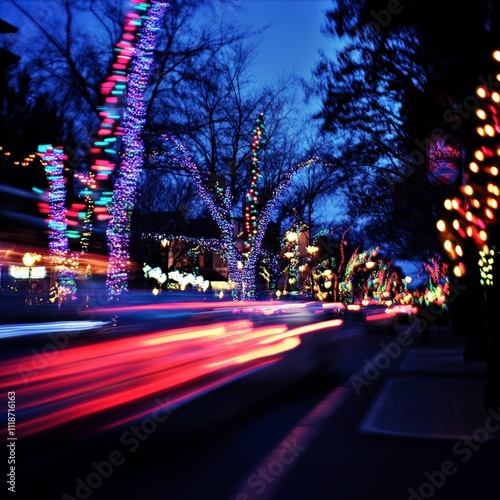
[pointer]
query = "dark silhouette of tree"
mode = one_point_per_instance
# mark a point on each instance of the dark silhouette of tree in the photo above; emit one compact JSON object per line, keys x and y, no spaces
{"x":427,"y":58}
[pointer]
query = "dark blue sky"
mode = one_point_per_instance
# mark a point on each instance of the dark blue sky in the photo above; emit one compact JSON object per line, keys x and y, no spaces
{"x":293,"y":40}
{"x":290,"y":44}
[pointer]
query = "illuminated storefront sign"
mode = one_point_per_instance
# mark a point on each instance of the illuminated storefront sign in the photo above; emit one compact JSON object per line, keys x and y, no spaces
{"x":23,"y":273}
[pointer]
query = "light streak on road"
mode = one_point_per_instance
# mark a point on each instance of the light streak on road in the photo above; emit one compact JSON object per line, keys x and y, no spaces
{"x":84,"y":380}
{"x":53,"y":327}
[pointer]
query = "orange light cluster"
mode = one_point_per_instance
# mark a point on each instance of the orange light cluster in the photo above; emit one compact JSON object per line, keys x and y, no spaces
{"x":477,"y":208}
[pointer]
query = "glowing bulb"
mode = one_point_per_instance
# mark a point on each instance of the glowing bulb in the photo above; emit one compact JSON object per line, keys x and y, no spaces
{"x":458,"y":270}
{"x":481,"y":114}
{"x":441,"y":225}
{"x":489,"y":130}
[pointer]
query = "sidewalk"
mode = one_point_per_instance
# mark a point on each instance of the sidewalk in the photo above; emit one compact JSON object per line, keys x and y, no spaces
{"x":435,"y":393}
{"x":419,"y":431}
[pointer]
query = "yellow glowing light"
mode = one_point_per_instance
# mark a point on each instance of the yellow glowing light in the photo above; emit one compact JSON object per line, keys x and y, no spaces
{"x":468,"y":216}
{"x":496,"y":55}
{"x":490,"y":131}
{"x":455,"y":204}
{"x":474,"y":167}
{"x":480,"y":131}
{"x":459,"y":251}
{"x":456,"y":224}
{"x":495,"y":96}
{"x":475,"y":203}
{"x":448,"y":246}
{"x":468,"y":190}
{"x":457,"y":271}
{"x":481,"y":92}
{"x":479,"y":155}
{"x":494,"y":171}
{"x":469,"y":231}
{"x":448,"y":204}
{"x":488,"y":213}
{"x":441,"y":225}
{"x":492,"y":188}
{"x":481,"y":114}
{"x":492,"y":203}
{"x":483,"y":235}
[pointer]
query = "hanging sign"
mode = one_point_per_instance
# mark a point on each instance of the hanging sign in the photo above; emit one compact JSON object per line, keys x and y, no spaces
{"x":445,"y":160}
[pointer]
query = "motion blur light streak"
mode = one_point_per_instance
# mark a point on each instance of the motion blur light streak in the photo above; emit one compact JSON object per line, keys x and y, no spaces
{"x":189,"y":334}
{"x":287,"y":344}
{"x":81,"y":381}
{"x":20,"y":330}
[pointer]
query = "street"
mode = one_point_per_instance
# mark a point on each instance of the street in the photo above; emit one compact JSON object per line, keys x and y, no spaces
{"x":275,"y":428}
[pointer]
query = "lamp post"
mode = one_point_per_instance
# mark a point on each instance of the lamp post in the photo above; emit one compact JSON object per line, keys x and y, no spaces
{"x":311,"y":250}
{"x":291,"y":254}
{"x":165,"y":243}
{"x":28,"y":260}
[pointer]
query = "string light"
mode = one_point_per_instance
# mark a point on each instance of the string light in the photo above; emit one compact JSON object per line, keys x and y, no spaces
{"x":476,"y":210}
{"x":252,"y":196}
{"x":64,"y":264}
{"x":118,"y":231}
{"x":242,"y":269}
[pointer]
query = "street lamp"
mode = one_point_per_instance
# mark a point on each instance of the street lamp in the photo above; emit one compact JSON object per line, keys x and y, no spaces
{"x":165,"y":243}
{"x":311,"y":250}
{"x":29,"y":260}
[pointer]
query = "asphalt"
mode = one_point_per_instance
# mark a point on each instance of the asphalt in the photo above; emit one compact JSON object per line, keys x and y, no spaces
{"x":412,"y":424}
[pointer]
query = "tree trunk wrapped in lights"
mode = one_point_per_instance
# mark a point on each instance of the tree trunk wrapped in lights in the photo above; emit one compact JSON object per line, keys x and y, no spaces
{"x":53,"y":159}
{"x":118,"y":232}
{"x":242,"y":266}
